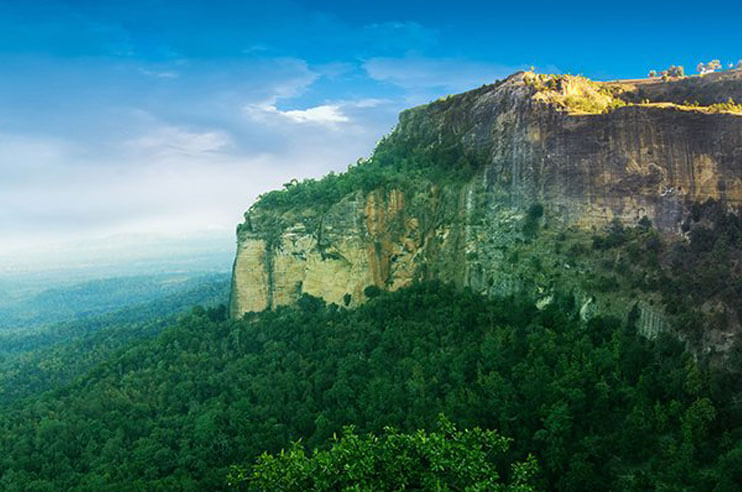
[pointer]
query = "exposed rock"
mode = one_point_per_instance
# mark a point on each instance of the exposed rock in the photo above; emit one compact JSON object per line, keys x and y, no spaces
{"x":586,"y":170}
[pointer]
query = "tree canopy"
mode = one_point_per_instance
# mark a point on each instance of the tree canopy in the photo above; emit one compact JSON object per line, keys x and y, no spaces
{"x":446,"y":460}
{"x":598,"y":406}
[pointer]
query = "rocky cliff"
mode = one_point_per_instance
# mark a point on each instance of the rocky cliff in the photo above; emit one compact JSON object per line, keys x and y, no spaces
{"x":513,"y":169}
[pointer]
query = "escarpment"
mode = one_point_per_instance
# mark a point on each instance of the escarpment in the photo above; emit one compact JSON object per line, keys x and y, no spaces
{"x":501,"y":190}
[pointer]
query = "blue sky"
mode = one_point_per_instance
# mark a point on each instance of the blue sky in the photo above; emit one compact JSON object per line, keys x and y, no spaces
{"x":125,"y":119}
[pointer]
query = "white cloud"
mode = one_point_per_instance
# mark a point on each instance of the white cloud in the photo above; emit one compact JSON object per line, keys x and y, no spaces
{"x":329,"y":115}
{"x":325,"y":114}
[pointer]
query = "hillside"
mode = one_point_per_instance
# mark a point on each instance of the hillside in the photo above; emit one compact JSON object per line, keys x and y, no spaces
{"x":505,"y":189}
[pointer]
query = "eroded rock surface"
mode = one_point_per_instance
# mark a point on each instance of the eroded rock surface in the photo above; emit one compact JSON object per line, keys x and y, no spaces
{"x":585,"y":169}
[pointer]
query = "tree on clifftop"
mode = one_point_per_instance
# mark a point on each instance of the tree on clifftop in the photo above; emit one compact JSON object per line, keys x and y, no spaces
{"x":674,"y":71}
{"x":712,"y":66}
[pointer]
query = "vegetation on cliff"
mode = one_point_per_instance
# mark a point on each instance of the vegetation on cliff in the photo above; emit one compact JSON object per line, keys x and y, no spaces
{"x":579,"y":95}
{"x":574,"y":94}
{"x":702,"y":91}
{"x":696,"y":281}
{"x":397,"y":162}
{"x":728,"y":106}
{"x":600,"y":407}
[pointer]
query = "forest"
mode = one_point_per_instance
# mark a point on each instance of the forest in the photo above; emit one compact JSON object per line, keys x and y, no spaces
{"x":49,"y":355}
{"x":209,"y":403}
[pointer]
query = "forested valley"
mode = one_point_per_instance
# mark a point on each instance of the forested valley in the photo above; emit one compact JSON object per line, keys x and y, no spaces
{"x":38,"y":357}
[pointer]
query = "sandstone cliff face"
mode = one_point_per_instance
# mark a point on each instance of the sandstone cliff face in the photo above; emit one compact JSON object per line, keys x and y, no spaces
{"x":635,"y":161}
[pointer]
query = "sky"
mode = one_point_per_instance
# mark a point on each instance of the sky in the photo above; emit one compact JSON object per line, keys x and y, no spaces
{"x":129,"y":127}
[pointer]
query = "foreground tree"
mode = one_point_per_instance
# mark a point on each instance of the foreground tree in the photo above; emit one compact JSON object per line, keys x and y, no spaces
{"x":446,"y":460}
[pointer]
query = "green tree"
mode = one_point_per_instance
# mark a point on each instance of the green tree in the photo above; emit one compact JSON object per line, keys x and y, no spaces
{"x":445,"y":460}
{"x":372,"y":291}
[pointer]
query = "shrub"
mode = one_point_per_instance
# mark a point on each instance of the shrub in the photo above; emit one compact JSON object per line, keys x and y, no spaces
{"x":616,"y":236}
{"x":534,"y":213}
{"x":729,"y":106}
{"x":372,"y":291}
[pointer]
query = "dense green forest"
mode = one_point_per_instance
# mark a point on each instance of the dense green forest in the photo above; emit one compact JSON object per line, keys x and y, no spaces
{"x":599,"y":407}
{"x":48,"y":356}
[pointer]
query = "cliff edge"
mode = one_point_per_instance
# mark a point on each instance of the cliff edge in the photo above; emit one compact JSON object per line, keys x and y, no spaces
{"x":500,"y":189}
